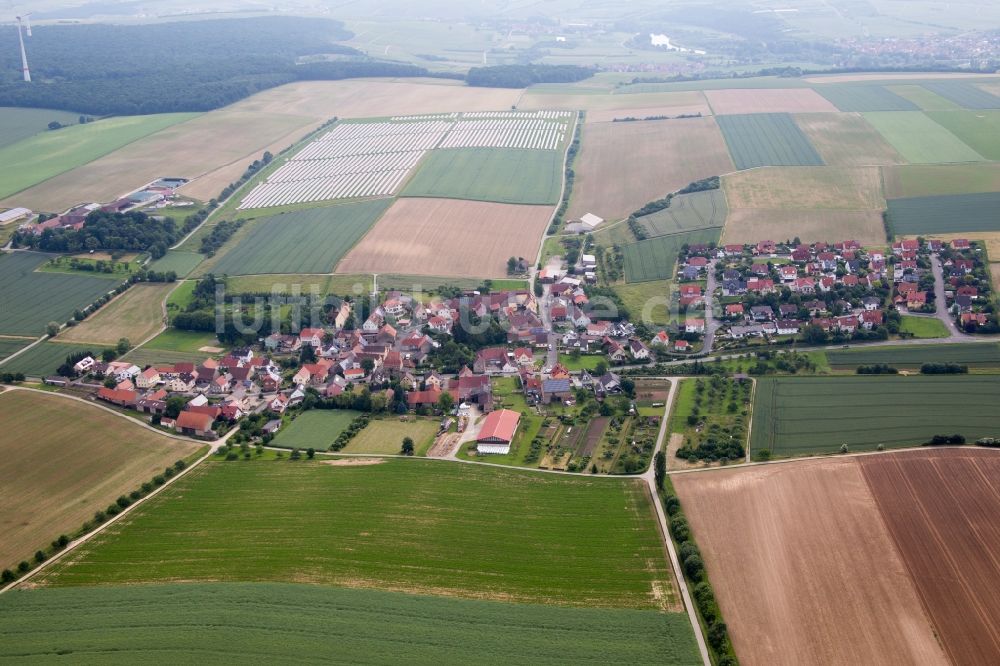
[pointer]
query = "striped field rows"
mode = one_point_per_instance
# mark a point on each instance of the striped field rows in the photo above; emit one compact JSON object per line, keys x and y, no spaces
{"x":346,"y":186}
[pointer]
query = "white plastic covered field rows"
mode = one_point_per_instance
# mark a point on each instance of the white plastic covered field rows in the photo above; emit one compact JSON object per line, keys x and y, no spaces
{"x":369,"y":159}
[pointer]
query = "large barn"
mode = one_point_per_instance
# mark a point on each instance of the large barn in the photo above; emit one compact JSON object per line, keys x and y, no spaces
{"x":498,"y":432}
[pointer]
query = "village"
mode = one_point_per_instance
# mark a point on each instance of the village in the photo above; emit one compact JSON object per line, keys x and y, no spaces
{"x":551,"y":358}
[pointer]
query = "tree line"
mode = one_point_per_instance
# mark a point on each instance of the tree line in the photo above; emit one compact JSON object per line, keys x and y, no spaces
{"x":103,"y":69}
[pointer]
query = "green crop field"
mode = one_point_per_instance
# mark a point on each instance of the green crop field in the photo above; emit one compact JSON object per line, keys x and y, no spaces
{"x":178,"y":261}
{"x":42,"y":156}
{"x":979,"y":129}
{"x":909,"y":357}
{"x":923,"y":327}
{"x":269,"y":622}
{"x":17,"y":124}
{"x":655,"y":258}
{"x":176,"y":340}
{"x":43,"y":359}
{"x":316,"y":429}
{"x":643,"y":299}
{"x":919,"y":139}
{"x":385,"y":436}
{"x":964,"y":94}
{"x":9,"y":346}
{"x":865,"y":98}
{"x":419,"y":526}
{"x":922,"y":180}
{"x":489,"y":174}
{"x":944,"y":214}
{"x":688,"y":212}
{"x":816,"y":415}
{"x":308,"y":241}
{"x":767,"y":139}
{"x":924,"y":98}
{"x":30,"y":300}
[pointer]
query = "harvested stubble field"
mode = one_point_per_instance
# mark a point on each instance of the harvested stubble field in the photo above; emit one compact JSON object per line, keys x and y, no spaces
{"x":924,"y":180}
{"x":978,"y":129}
{"x":29,"y":300}
{"x":623,"y":166}
{"x":385,"y":436}
{"x":316,"y":428}
{"x":767,"y":139}
{"x":607,"y":107}
{"x":403,"y":525}
{"x":919,"y":139}
{"x":188,"y":149}
{"x":910,"y":357}
{"x":449,"y":237}
{"x":803,"y":567}
{"x":373,"y":98}
{"x":688,"y":212}
{"x":806,"y":188}
{"x":779,"y":100}
{"x":41,"y":157}
{"x":188,"y":623}
{"x":59,"y":466}
{"x":940,"y":507}
{"x":944,"y":214}
{"x":489,"y":174}
{"x":136,"y":314}
{"x":749,"y":225}
{"x":866,"y":98}
{"x":655,"y":258}
{"x":806,"y":415}
{"x":845,"y":139}
{"x":308,"y":241}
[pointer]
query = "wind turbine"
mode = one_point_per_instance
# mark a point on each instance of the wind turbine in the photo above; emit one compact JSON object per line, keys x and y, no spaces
{"x":24,"y":54}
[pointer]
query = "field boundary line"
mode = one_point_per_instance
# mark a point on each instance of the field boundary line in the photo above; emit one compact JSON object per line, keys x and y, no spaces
{"x":24,"y":349}
{"x":570,"y":137}
{"x":661,"y":520}
{"x":79,"y":541}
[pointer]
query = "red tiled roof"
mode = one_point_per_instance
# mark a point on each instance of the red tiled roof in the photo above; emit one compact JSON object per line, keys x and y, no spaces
{"x":194,"y":420}
{"x":499,"y":425}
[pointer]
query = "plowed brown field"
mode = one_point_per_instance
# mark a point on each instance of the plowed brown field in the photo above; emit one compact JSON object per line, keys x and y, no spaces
{"x":779,"y":100}
{"x":623,"y":166}
{"x":449,"y":238}
{"x":942,"y":509}
{"x":804,"y":568}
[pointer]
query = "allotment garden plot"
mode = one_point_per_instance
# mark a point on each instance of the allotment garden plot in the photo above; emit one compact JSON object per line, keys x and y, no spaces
{"x":815,"y":415}
{"x":370,"y":159}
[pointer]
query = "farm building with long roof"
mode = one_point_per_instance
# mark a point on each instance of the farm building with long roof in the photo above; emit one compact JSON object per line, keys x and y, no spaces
{"x":498,"y":432}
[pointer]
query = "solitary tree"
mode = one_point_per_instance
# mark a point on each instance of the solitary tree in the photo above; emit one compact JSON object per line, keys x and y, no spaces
{"x":52,"y":328}
{"x":310,"y":453}
{"x":123,"y":346}
{"x":660,"y":468}
{"x":407,"y":449}
{"x":445,"y":402}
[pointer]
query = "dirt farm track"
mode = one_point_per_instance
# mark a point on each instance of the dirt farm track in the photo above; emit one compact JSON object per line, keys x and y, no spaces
{"x":879,"y":559}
